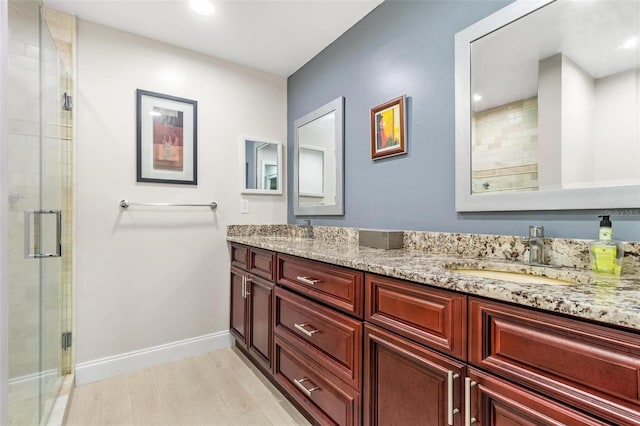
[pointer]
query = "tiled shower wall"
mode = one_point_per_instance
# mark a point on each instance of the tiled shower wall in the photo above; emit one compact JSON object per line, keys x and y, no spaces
{"x":24,"y":169}
{"x":505,"y":156}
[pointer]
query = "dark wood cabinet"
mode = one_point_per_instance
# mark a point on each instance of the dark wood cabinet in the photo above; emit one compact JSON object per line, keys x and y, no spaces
{"x":335,"y":286}
{"x":251,"y":309}
{"x":331,"y":339}
{"x":259,"y":310}
{"x":326,"y":399}
{"x":238,"y":304}
{"x":262,"y":263}
{"x":436,"y":318}
{"x":239,"y":255}
{"x":408,"y":384}
{"x":424,"y":355}
{"x":498,"y":402}
{"x":590,"y":367}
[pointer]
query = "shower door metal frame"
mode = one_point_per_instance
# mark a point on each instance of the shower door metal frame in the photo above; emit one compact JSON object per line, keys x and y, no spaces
{"x":4,"y":207}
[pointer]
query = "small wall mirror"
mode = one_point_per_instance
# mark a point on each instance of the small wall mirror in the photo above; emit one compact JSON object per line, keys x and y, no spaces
{"x":548,"y":107}
{"x":261,"y":166}
{"x":318,"y":161}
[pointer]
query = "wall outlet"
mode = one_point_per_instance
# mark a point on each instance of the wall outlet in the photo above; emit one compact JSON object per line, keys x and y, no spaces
{"x":244,"y":206}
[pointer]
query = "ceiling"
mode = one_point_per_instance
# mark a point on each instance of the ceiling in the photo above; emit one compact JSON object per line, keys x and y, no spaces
{"x":589,"y":32}
{"x":274,"y":36}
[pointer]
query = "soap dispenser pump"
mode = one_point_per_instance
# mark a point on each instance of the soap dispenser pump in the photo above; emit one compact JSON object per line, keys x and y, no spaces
{"x":606,"y":254}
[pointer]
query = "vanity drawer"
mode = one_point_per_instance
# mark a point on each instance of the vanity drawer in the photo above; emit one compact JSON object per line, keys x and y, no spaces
{"x":239,"y":255}
{"x":324,"y":397}
{"x":588,"y":366}
{"x":339,"y":287}
{"x":328,"y":337}
{"x":433,"y":317}
{"x":262,"y":263}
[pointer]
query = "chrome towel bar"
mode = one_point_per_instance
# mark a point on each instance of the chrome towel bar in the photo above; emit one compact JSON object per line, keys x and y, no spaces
{"x":125,"y":204}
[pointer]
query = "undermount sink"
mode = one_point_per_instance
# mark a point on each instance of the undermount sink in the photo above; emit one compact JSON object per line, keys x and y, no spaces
{"x":513,"y":277}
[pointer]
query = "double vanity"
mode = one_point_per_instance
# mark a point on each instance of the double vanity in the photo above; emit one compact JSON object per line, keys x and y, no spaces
{"x":455,"y":329}
{"x":452,"y":329}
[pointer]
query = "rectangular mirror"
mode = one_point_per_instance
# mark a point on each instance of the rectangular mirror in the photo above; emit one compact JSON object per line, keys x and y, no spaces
{"x":261,"y":166}
{"x":547,"y":107}
{"x":318,"y":161}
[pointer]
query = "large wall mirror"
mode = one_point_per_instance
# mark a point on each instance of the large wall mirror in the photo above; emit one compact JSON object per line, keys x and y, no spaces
{"x":318,"y":161}
{"x":547,"y":107}
{"x":261,"y":166}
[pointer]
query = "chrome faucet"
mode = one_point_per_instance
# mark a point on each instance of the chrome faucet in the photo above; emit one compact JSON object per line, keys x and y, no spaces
{"x":536,"y":244}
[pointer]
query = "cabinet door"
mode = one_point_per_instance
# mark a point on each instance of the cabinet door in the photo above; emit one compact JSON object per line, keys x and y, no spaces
{"x":238,"y":317}
{"x":498,"y":402}
{"x":260,"y":305}
{"x":407,"y":384}
{"x":591,"y":367}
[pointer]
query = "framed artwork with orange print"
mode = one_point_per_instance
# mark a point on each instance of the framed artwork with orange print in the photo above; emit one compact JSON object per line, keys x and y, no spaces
{"x":388,"y":129}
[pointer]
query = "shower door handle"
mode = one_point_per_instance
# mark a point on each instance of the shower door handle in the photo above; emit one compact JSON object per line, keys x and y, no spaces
{"x":37,"y":241}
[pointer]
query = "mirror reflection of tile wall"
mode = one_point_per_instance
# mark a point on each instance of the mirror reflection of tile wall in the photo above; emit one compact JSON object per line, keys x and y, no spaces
{"x":505,"y":147}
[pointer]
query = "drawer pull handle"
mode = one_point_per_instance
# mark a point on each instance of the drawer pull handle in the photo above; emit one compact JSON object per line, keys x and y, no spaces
{"x":307,"y":280}
{"x":450,"y":410}
{"x":245,"y":280}
{"x":302,"y":328}
{"x":467,"y":402}
{"x":307,"y":391}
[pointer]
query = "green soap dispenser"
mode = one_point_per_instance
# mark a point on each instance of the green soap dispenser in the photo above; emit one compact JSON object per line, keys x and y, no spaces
{"x":606,"y":254}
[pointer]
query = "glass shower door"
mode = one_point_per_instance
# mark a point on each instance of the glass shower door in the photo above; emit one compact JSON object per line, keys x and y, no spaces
{"x":54,"y":167}
{"x":38,"y":195}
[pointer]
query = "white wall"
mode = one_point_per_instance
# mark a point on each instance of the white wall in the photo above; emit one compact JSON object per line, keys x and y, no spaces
{"x":156,"y":276}
{"x":549,"y":122}
{"x":578,"y":116}
{"x":617,"y":149}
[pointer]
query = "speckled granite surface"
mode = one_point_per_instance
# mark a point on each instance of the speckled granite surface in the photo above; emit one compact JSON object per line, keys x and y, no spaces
{"x":431,"y":258}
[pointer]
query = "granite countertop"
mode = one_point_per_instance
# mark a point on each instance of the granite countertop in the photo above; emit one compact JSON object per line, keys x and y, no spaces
{"x":606,"y":299}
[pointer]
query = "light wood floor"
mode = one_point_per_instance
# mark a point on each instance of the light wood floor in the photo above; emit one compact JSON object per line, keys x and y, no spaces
{"x":218,"y":388}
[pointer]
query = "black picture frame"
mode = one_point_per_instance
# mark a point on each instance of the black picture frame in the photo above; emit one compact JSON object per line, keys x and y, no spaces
{"x":167,"y":138}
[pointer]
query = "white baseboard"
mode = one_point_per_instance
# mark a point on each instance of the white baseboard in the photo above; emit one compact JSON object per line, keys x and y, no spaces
{"x":103,"y":368}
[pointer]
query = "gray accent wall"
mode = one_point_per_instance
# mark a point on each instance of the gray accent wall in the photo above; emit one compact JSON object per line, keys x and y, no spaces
{"x":407,"y":47}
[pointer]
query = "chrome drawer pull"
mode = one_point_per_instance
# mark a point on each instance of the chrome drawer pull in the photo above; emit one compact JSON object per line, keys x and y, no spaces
{"x":450,"y":410}
{"x":298,"y":383}
{"x":308,"y":280}
{"x":467,"y":402}
{"x":302,"y":328}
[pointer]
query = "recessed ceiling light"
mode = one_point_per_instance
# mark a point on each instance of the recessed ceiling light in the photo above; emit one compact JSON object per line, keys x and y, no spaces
{"x":477,"y":98}
{"x":629,"y":44}
{"x":202,"y":7}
